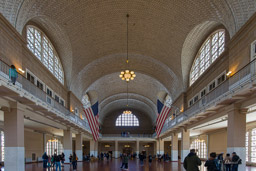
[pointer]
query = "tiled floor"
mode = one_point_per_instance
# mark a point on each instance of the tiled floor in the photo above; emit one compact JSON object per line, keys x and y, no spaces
{"x":115,"y":164}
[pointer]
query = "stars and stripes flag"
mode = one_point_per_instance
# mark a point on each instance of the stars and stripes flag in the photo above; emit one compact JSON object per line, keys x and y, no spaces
{"x":92,"y":115}
{"x":163,"y":111}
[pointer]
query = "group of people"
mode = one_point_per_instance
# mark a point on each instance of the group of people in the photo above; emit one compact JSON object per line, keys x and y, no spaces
{"x":106,"y":155}
{"x":214,"y":163}
{"x":165,"y":157}
{"x":125,"y":134}
{"x":54,"y":160}
{"x":57,"y":161}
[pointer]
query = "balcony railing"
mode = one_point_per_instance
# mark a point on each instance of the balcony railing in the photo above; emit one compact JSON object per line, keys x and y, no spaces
{"x":127,"y":136}
{"x":240,"y":79}
{"x":30,"y":88}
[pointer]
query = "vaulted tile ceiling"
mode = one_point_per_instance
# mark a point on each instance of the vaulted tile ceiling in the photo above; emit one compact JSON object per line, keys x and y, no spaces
{"x":164,"y":36}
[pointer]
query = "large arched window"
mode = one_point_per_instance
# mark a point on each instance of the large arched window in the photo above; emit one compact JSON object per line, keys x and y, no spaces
{"x":200,"y":147}
{"x":211,"y":49}
{"x":127,"y":120}
{"x":54,"y":146}
{"x":43,"y":49}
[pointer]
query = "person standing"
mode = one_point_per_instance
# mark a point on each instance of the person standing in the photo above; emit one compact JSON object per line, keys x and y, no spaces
{"x":220,"y":161}
{"x":141,"y":156}
{"x":57,"y":159}
{"x":74,"y":161}
{"x":192,"y":161}
{"x":45,"y":160}
{"x":227,"y":162}
{"x":13,"y":74}
{"x":235,"y":161}
{"x":126,"y":162}
{"x":150,"y":160}
{"x":123,"y":162}
{"x":212,"y":163}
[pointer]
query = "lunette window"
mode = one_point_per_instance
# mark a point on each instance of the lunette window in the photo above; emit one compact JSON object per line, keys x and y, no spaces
{"x":127,"y":120}
{"x":43,"y":49}
{"x":210,"y":50}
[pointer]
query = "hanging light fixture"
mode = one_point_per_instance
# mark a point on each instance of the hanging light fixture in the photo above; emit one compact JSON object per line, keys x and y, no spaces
{"x":127,"y":112}
{"x":127,"y":74}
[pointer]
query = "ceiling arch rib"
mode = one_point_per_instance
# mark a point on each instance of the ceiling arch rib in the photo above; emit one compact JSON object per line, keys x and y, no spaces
{"x":154,"y":69}
{"x":139,"y":97}
{"x":133,"y":105}
{"x":111,"y":84}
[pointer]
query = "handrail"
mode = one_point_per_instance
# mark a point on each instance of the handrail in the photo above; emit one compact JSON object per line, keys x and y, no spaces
{"x":239,"y":79}
{"x":31,"y":88}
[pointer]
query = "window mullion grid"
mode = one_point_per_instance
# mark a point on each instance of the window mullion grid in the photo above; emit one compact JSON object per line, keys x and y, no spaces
{"x":249,"y":145}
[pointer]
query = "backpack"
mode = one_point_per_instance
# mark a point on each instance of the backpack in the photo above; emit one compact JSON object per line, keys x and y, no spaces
{"x":217,"y":162}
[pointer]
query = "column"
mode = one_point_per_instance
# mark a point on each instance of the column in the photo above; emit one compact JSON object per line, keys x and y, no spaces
{"x":14,"y":139}
{"x":116,"y":153}
{"x":174,"y":151}
{"x":79,"y":148}
{"x":185,"y":143}
{"x":236,"y":131}
{"x":137,"y":148}
{"x":160,"y":146}
{"x":93,"y":148}
{"x":67,"y":144}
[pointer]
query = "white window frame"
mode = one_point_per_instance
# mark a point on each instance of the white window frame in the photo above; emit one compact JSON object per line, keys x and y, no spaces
{"x":30,"y":73}
{"x":208,"y":86}
{"x":63,"y":101}
{"x":223,"y":73}
{"x":37,"y":79}
{"x":204,"y":89}
{"x":253,"y":50}
{"x":192,"y":99}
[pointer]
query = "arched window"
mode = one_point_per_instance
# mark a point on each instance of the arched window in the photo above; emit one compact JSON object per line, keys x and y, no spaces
{"x":200,"y":147}
{"x":211,"y":49}
{"x":127,"y":120}
{"x":43,"y":49}
{"x":54,"y":146}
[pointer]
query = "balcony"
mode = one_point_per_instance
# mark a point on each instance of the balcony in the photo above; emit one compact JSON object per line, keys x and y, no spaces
{"x":230,"y":90}
{"x":27,"y":91}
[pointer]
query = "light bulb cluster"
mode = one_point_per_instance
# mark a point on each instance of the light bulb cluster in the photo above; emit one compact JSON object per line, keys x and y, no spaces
{"x":127,"y":112}
{"x":127,"y":75}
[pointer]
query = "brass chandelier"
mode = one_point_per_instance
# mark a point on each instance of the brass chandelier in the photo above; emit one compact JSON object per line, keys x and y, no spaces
{"x":127,"y":74}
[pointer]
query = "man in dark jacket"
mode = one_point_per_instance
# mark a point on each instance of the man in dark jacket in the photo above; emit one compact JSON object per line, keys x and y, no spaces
{"x":212,"y":163}
{"x":192,"y":162}
{"x":236,"y":161}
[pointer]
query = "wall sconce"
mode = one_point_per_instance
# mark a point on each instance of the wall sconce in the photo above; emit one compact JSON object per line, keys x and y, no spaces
{"x":229,"y":73}
{"x":21,"y":70}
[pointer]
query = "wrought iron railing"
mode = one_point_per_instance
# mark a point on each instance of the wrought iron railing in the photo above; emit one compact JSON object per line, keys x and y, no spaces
{"x":240,"y":79}
{"x":30,"y":88}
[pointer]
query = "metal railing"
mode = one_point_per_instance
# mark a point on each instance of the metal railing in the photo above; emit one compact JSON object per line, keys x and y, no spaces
{"x":127,"y":136}
{"x":32,"y":89}
{"x":240,"y":79}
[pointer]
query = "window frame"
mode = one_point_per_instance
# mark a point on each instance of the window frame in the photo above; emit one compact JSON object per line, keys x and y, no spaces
{"x":253,"y":50}
{"x":47,"y":52}
{"x":132,"y":121}
{"x":206,"y":54}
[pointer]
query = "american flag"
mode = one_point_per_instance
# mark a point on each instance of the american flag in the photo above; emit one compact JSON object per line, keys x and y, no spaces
{"x":92,"y":115}
{"x":163,"y":111}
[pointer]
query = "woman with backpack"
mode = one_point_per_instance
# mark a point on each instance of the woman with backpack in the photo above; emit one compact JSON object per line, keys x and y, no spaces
{"x":212,"y":163}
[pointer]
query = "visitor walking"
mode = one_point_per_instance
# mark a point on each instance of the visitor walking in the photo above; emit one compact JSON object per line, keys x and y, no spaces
{"x":13,"y":74}
{"x":192,"y":162}
{"x":227,"y":162}
{"x":212,"y":163}
{"x":220,"y":161}
{"x":141,"y":157}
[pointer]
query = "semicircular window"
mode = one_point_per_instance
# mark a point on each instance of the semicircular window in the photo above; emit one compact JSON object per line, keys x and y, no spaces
{"x":42,"y":48}
{"x":210,"y":50}
{"x":127,"y":120}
